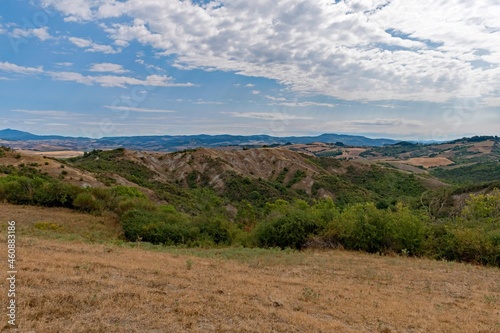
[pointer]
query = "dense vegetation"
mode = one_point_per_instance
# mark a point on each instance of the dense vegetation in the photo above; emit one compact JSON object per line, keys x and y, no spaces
{"x":374,"y":209}
{"x":470,"y":174}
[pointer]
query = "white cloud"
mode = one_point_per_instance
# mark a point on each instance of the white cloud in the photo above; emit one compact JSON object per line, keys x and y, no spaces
{"x":80,"y":42}
{"x":13,"y":68}
{"x":48,"y":113}
{"x":265,"y":115}
{"x":284,"y":102}
{"x":492,"y":102}
{"x":40,"y":33}
{"x":75,"y":10}
{"x":72,"y":76}
{"x":354,"y":50}
{"x":386,"y":122}
{"x":304,"y":104}
{"x":209,"y":102}
{"x":107,"y":67}
{"x":278,"y":99}
{"x":64,"y":64}
{"x":90,"y":46}
{"x":117,"y":81}
{"x":136,"y":109}
{"x":255,"y":92}
{"x":121,"y":43}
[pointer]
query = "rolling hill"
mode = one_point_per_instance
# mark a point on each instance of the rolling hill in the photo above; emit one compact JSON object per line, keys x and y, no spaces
{"x":25,"y":140}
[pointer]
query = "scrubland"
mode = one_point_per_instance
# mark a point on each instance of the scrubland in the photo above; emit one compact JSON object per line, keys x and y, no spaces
{"x":75,"y":274}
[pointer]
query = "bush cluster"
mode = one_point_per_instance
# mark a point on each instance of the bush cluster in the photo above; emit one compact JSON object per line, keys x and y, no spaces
{"x":165,"y":225}
{"x":366,"y":215}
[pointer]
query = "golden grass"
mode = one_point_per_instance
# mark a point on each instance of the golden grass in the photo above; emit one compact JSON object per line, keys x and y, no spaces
{"x":74,"y":286}
{"x":55,"y":154}
{"x":51,"y":167}
{"x":428,"y":162}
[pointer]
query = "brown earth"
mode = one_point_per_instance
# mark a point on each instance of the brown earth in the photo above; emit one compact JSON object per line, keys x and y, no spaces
{"x":484,"y":147}
{"x":51,"y":166}
{"x":405,"y":167}
{"x":265,"y":163}
{"x":428,"y":162}
{"x":351,"y":152}
{"x":54,"y":154}
{"x":73,"y":286}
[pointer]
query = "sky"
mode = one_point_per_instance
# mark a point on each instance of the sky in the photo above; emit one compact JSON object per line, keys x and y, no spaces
{"x":421,"y":70}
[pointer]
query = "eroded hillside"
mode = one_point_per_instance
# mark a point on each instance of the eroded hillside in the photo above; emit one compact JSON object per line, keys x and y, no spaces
{"x":255,"y":175}
{"x":210,"y":166}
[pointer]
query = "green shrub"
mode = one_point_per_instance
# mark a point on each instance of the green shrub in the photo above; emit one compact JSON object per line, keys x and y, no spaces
{"x":484,"y":208}
{"x":124,"y":205}
{"x":158,"y":227}
{"x":473,"y":245}
{"x":291,"y":229}
{"x":127,"y":192}
{"x":361,"y":227}
{"x":366,"y":228}
{"x":216,"y":229}
{"x":20,"y":190}
{"x":407,"y":230}
{"x":87,"y":202}
{"x":56,"y":194}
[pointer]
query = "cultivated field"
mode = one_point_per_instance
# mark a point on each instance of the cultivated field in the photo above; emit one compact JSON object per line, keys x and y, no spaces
{"x":76,"y":276}
{"x":428,"y":162}
{"x":54,"y":154}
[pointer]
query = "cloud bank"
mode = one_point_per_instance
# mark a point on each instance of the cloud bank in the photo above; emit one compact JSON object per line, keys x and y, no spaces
{"x":353,"y":50}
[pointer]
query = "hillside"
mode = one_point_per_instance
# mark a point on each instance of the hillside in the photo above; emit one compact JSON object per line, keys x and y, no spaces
{"x":464,"y":161}
{"x":75,"y":268}
{"x":256,"y":175}
{"x":265,"y":197}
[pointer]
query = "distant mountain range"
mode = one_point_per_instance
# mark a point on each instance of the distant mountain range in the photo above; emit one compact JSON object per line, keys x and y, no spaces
{"x":20,"y":139}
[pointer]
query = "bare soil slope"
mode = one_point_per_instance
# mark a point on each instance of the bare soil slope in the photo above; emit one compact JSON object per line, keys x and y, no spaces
{"x":428,"y":162}
{"x":71,"y":286}
{"x":265,"y":163}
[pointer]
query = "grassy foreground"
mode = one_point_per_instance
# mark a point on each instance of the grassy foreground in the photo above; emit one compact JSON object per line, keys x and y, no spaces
{"x":75,"y":276}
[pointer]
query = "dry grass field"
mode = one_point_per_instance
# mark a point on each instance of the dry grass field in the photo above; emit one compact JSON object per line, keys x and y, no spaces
{"x":428,"y":162}
{"x":74,"y":276}
{"x":54,"y":154}
{"x":51,"y":167}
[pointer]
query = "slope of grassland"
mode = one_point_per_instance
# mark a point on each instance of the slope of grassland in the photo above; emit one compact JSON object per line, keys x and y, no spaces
{"x":75,"y":275}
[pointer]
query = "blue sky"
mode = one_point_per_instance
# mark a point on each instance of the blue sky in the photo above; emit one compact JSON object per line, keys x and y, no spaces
{"x":426,"y":70}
